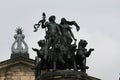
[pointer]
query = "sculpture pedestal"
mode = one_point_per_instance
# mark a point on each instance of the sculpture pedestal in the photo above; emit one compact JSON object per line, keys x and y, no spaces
{"x":66,"y":75}
{"x":14,"y":55}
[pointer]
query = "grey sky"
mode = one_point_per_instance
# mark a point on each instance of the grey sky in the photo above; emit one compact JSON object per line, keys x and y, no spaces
{"x":99,"y":21}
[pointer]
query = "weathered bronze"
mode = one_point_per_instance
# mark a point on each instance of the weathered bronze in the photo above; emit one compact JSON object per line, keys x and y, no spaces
{"x":57,"y":51}
{"x":81,"y":55}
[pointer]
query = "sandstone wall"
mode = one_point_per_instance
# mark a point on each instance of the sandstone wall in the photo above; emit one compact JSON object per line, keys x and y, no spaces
{"x":17,"y":72}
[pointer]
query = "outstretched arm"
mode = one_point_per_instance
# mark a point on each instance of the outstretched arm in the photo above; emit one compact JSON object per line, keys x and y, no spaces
{"x":72,"y":34}
{"x":36,"y":50}
{"x":89,"y":52}
{"x":74,"y":23}
{"x":44,"y":24}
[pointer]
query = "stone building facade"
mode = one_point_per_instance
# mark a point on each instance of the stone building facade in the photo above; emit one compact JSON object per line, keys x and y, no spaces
{"x":18,"y":68}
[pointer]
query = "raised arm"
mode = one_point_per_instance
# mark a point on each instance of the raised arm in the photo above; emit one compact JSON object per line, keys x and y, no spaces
{"x":43,"y":25}
{"x":72,"y":35}
{"x":74,"y":23}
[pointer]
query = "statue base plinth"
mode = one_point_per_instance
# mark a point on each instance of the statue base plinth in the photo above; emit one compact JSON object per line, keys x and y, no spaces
{"x":66,"y":75}
{"x":14,"y":55}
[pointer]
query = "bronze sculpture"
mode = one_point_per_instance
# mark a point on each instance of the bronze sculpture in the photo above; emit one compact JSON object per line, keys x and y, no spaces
{"x":67,"y":34}
{"x":81,"y":55}
{"x":57,"y":51}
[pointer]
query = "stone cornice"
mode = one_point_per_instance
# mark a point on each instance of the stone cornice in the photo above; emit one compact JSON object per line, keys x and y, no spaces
{"x":16,"y":60}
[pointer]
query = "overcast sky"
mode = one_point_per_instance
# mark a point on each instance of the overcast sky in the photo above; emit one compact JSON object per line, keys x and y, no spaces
{"x":99,"y":21}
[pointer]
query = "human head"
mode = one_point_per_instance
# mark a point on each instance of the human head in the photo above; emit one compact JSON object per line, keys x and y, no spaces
{"x":52,"y":18}
{"x":83,"y":43}
{"x":41,"y":43}
{"x":63,"y":20}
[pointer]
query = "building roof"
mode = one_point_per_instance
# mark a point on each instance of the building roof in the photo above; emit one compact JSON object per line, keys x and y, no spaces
{"x":16,"y":60}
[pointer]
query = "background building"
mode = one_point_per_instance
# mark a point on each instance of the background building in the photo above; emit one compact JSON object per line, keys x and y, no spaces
{"x":19,"y":66}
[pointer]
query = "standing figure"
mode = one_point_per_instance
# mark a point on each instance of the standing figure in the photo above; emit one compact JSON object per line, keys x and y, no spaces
{"x":53,"y":39}
{"x":67,"y":34}
{"x":53,"y":31}
{"x":67,"y":37}
{"x":81,"y":55}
